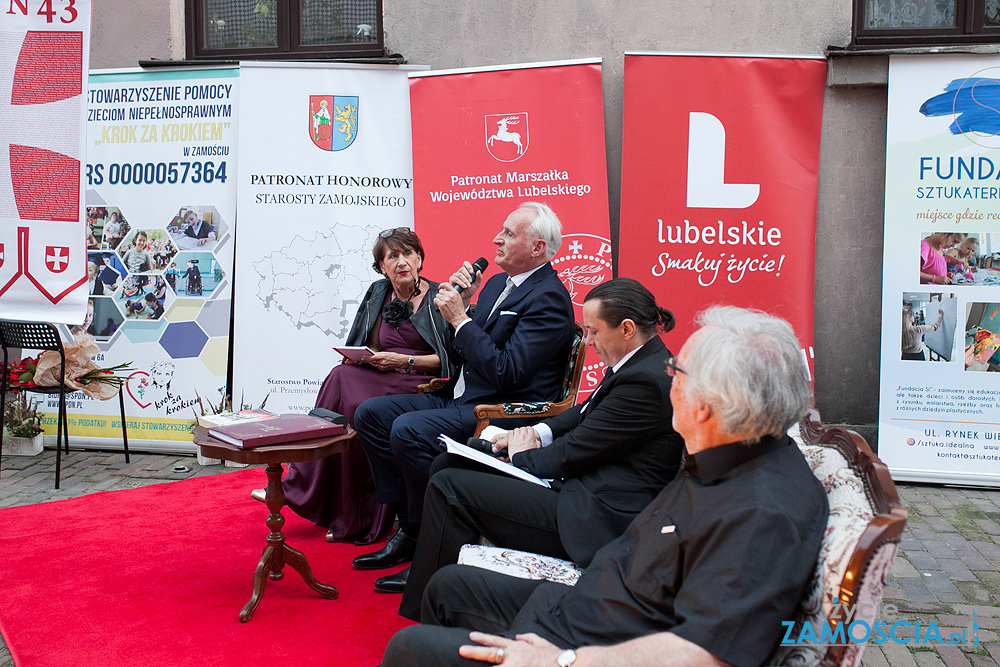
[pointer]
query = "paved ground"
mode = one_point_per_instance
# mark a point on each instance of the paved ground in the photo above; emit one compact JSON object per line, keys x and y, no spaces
{"x":949,"y":564}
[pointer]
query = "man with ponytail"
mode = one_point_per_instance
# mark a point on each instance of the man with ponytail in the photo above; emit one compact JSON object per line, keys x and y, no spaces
{"x":609,"y":457}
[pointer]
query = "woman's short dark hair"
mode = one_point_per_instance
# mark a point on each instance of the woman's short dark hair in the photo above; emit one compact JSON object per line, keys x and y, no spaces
{"x":400,"y":239}
{"x":626,"y":299}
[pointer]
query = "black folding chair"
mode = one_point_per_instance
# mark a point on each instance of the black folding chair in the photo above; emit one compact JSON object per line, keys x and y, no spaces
{"x":44,"y":336}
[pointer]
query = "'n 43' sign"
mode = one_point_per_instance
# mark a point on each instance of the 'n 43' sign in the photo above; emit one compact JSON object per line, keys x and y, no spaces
{"x":65,"y":10}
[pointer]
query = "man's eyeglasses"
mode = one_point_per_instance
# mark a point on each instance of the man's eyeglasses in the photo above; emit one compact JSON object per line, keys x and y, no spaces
{"x":671,"y":368}
{"x":386,"y":233}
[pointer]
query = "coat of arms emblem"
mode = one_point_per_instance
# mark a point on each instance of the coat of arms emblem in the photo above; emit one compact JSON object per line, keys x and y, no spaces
{"x":56,"y":258}
{"x":333,"y":121}
{"x":507,"y":135}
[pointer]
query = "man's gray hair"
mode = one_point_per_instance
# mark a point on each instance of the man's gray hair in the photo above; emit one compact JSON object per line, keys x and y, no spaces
{"x":546,"y":225}
{"x":748,"y":366}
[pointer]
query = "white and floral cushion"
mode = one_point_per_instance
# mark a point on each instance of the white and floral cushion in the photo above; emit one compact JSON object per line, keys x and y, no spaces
{"x":850,"y":513}
{"x":520,"y":564}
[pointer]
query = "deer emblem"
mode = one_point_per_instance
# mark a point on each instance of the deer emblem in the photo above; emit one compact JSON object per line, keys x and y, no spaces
{"x":503,"y":134}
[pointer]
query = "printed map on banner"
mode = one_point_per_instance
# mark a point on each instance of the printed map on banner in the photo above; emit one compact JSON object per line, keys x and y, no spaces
{"x":524,"y":133}
{"x":161,"y":206}
{"x":324,"y":167}
{"x":317,"y":282}
{"x":44,"y":58}
{"x":939,"y":400}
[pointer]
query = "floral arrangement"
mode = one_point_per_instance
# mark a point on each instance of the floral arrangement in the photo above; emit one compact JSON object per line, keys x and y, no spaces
{"x":23,"y":373}
{"x":21,"y":418}
{"x":82,"y":374}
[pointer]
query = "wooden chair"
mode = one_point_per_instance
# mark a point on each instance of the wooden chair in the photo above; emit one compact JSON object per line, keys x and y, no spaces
{"x":863,"y":531}
{"x":571,"y":387}
{"x":865,"y":526}
{"x":44,"y":336}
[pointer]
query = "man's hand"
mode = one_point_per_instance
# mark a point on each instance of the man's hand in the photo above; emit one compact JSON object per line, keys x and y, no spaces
{"x":500,"y":441}
{"x":527,"y":650}
{"x":522,"y":439}
{"x":451,"y":304}
{"x":464,"y":279}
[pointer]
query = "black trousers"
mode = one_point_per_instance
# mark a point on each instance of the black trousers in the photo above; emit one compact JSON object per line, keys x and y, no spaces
{"x":459,"y":598}
{"x":400,"y":438}
{"x":463,"y":502}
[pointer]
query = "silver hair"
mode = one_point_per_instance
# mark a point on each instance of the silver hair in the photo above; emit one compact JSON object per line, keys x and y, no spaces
{"x":546,"y":225}
{"x":748,"y":366}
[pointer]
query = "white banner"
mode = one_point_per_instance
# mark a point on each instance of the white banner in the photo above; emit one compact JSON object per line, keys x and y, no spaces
{"x":161,"y":206}
{"x":44,"y":58}
{"x":939,"y":407}
{"x":325,"y":164}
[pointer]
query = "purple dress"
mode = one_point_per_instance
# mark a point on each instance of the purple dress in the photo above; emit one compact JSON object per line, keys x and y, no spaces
{"x":338,"y":491}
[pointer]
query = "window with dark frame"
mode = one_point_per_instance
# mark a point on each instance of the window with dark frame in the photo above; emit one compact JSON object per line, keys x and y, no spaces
{"x":902,"y":23}
{"x":273,"y":29}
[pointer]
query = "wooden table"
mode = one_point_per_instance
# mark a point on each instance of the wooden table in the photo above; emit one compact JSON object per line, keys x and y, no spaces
{"x":276,"y":553}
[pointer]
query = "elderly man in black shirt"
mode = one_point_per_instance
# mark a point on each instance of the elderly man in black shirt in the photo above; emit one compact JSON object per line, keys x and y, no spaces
{"x":706,"y":573}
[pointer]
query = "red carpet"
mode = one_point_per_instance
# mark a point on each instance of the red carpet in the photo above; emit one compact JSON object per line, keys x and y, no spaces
{"x":157,"y":576}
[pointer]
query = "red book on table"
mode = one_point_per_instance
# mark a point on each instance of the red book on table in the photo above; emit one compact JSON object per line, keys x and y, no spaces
{"x":283,"y":428}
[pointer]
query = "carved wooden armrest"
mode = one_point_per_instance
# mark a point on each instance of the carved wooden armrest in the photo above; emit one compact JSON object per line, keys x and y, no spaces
{"x":500,"y":410}
{"x":433,"y":385}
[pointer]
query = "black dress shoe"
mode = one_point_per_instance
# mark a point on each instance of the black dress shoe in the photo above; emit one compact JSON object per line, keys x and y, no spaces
{"x":392,"y":583}
{"x":398,"y":549}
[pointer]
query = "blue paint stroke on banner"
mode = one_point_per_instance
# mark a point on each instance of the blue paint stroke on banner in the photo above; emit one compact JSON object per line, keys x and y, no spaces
{"x":974,"y":102}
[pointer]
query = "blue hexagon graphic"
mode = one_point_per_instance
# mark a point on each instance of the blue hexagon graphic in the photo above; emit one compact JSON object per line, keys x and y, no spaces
{"x":183,"y":340}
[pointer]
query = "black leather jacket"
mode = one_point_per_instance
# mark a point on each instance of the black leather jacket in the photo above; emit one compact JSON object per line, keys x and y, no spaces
{"x":428,"y":322}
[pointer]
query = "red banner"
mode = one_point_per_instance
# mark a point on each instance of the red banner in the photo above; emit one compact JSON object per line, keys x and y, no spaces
{"x":720,"y":164}
{"x":486,"y":140}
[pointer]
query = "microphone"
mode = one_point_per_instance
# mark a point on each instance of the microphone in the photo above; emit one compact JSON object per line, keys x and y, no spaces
{"x":485,"y":446}
{"x":478,"y":266}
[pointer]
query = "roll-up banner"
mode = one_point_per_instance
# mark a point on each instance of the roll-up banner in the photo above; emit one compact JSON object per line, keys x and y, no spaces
{"x":939,"y":407}
{"x":488,"y":139}
{"x":720,"y":164}
{"x":44,"y":58}
{"x":325,"y":165}
{"x":161,"y":205}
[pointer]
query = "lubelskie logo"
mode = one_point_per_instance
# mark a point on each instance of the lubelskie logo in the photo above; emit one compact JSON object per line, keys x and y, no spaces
{"x":863,"y":624}
{"x":507,"y":135}
{"x":333,"y":121}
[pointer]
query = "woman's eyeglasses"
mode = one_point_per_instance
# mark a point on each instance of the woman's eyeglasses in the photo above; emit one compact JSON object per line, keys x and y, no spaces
{"x":671,"y":368}
{"x":386,"y":233}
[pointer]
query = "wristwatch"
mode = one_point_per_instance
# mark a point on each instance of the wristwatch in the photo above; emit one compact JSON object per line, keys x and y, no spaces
{"x":409,"y":364}
{"x":566,"y":658}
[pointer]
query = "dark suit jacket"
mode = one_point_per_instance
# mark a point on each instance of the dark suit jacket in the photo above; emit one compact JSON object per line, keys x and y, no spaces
{"x":615,"y":458}
{"x":518,"y":353}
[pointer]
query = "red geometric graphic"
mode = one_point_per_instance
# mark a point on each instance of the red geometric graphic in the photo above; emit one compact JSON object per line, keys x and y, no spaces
{"x":56,"y":258}
{"x":46,"y":184}
{"x":49,"y":68}
{"x":1,"y":254}
{"x":24,"y":267}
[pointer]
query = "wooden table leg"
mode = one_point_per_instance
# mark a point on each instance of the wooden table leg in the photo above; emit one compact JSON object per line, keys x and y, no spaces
{"x":259,"y":579}
{"x":297,"y":559}
{"x":276,"y":553}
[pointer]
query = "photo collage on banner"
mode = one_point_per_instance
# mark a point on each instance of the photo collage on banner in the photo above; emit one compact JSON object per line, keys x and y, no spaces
{"x":161,"y":207}
{"x":720,"y":168}
{"x":325,"y":165}
{"x":488,"y":139}
{"x":44,"y":56}
{"x":939,"y":407}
